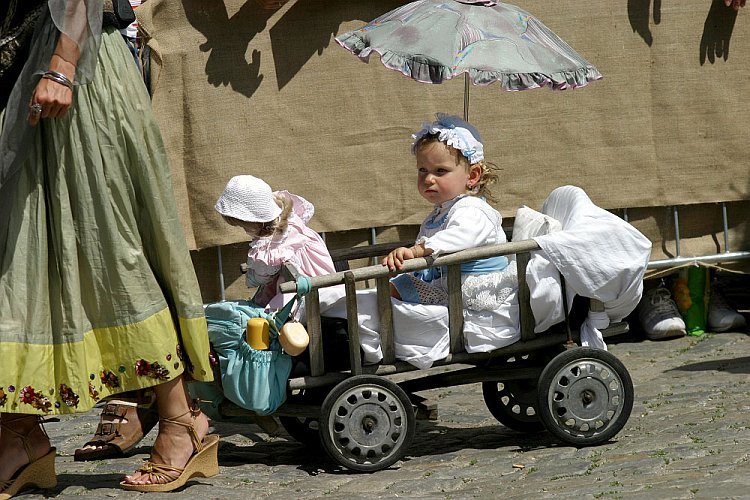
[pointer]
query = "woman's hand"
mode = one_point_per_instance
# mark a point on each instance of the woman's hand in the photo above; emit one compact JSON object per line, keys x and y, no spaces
{"x":395,"y":259}
{"x":735,"y":4}
{"x":51,"y":99}
{"x":54,"y":98}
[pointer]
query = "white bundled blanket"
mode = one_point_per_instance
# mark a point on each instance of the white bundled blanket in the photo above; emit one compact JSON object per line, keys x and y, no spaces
{"x":600,"y":255}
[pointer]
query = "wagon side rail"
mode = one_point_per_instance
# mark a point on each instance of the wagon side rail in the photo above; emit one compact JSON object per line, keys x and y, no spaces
{"x":381,"y":275}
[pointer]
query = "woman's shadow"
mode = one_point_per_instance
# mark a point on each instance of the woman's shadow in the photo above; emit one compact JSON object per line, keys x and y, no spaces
{"x":717,"y":32}
{"x":431,"y":438}
{"x":227,"y":40}
{"x":303,"y":30}
{"x":717,"y":28}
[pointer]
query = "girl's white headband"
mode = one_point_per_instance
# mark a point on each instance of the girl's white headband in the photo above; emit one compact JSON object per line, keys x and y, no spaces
{"x":456,"y":133}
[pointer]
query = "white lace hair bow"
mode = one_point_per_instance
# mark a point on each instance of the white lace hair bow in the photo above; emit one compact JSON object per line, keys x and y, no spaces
{"x":454,"y":132}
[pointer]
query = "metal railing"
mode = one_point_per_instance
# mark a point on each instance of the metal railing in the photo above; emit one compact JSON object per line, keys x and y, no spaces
{"x":678,"y":260}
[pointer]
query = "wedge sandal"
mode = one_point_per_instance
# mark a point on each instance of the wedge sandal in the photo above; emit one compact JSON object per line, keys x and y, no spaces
{"x":38,"y":473}
{"x":204,"y":461}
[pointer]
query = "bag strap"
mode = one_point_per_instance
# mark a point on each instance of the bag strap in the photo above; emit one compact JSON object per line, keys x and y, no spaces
{"x":282,"y":315}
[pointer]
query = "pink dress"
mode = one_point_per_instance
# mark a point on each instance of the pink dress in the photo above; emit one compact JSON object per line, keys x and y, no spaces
{"x":298,"y":245}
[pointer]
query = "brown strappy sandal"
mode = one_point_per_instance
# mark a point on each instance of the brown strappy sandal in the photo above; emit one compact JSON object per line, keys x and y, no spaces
{"x":204,"y":461}
{"x":38,"y":473}
{"x":115,"y":439}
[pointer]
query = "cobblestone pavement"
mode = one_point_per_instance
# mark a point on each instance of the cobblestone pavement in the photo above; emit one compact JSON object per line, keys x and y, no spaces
{"x":688,"y":437}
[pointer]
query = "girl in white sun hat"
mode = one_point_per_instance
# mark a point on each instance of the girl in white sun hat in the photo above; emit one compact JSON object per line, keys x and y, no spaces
{"x":277,"y":225}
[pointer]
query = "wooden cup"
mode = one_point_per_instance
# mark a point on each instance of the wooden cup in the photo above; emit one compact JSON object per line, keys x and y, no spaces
{"x":257,"y":334}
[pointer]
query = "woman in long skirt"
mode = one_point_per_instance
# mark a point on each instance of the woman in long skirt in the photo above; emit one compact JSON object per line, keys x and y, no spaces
{"x":97,"y":291}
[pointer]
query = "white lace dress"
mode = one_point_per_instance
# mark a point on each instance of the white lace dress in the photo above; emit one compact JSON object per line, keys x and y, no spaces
{"x":461,"y":223}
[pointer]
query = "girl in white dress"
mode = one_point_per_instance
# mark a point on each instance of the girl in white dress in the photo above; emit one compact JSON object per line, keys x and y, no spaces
{"x":453,"y":175}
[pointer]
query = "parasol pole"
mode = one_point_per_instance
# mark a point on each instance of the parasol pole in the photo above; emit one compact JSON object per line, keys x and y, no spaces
{"x":466,"y":96}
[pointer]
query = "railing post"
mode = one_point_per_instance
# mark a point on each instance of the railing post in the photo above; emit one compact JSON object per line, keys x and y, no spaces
{"x":221,"y":273}
{"x":725,"y":222}
{"x":676,"y":216}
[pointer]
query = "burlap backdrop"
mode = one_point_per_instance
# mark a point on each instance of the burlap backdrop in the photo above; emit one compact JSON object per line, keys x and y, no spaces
{"x":238,"y":89}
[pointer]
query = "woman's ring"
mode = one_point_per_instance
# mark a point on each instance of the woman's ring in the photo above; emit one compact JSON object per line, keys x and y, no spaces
{"x":36,"y":108}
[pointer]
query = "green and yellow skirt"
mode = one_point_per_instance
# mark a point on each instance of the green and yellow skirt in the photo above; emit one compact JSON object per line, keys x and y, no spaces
{"x":98,"y":294}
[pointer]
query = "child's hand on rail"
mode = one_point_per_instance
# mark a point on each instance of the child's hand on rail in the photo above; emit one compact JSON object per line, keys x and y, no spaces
{"x":395,"y":259}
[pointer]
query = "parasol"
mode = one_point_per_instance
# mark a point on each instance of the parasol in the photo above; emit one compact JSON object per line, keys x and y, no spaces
{"x":432,"y":41}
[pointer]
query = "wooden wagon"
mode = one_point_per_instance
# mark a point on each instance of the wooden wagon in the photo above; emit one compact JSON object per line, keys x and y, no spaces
{"x":365,"y":420}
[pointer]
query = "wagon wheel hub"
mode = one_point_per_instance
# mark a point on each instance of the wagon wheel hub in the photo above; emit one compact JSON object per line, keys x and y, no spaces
{"x":369,"y":424}
{"x":587,"y":397}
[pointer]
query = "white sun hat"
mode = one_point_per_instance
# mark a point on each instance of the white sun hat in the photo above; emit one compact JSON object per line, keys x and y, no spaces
{"x":248,"y":198}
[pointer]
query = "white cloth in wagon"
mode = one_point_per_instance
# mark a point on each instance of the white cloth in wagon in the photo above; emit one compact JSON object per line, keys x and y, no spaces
{"x":600,"y":255}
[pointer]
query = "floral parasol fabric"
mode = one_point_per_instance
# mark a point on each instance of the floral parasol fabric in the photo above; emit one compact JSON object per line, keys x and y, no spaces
{"x":435,"y":40}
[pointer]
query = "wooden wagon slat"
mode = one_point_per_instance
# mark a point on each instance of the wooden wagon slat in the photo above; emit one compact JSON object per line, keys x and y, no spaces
{"x":409,"y":371}
{"x":387,"y":340}
{"x":526,"y":315}
{"x":312,"y":308}
{"x":455,"y":309}
{"x":353,"y":326}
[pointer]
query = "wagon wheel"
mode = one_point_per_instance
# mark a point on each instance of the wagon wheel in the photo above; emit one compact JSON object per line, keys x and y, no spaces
{"x":305,"y":430}
{"x":585,"y":396}
{"x":514,"y":404}
{"x":366,"y":423}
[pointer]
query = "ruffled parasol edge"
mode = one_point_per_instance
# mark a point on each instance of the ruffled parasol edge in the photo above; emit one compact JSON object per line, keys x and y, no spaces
{"x":425,"y":70}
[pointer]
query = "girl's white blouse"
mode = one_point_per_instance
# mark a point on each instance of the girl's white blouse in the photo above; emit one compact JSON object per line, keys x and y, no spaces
{"x":463,"y":222}
{"x":467,"y":222}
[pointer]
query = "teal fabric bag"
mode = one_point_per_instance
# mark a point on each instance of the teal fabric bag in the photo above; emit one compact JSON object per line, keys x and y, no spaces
{"x":255,"y":380}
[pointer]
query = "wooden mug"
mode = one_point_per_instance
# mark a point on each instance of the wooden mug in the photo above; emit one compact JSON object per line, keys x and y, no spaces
{"x":294,"y":338}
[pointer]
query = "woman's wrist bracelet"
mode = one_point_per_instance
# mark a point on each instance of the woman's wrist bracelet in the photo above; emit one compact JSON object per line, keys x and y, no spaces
{"x":58,"y":78}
